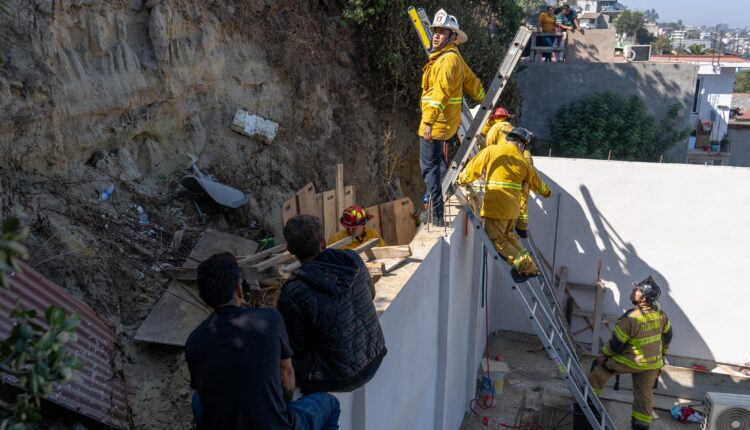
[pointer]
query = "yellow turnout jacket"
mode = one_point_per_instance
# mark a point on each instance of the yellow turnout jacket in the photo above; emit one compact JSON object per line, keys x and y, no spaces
{"x":356,"y":241}
{"x":445,"y":78}
{"x":505,"y":173}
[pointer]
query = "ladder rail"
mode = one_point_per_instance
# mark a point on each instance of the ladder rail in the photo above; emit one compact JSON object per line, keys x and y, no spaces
{"x":549,"y":331}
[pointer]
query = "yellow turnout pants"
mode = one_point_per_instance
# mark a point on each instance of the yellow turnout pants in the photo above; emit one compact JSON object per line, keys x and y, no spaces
{"x":522,"y":222}
{"x":643,"y":389}
{"x":500,"y":232}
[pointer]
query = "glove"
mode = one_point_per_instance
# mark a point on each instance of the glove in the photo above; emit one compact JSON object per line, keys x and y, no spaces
{"x":523,"y":234}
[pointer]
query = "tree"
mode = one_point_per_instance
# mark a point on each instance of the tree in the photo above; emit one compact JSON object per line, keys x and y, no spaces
{"x":742,"y":82}
{"x":607,"y":124}
{"x":629,"y":22}
{"x":692,"y":34}
{"x":662,"y":45}
{"x":34,"y":354}
{"x":695,"y":50}
{"x":643,"y":37}
{"x":531,"y":9}
{"x":650,"y":15}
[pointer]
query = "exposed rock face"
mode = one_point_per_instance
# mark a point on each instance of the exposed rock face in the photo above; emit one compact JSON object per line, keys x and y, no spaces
{"x":98,"y":92}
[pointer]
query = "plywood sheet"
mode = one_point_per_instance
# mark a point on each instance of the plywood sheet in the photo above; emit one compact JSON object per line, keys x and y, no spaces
{"x":319,"y":206}
{"x":350,"y":197}
{"x":397,"y":222}
{"x":177,"y":313}
{"x":214,"y":241}
{"x":306,"y":200}
{"x":289,"y":210}
{"x":330,"y":216}
{"x":375,"y":222}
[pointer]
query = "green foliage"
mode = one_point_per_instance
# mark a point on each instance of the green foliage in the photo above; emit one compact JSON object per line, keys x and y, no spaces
{"x":531,"y":9}
{"x":695,"y":50}
{"x":650,"y":15}
{"x":742,"y":82}
{"x":34,"y":353}
{"x":629,"y":22}
{"x":604,"y":122}
{"x":643,"y":37}
{"x":661,"y":45}
{"x":395,"y":57}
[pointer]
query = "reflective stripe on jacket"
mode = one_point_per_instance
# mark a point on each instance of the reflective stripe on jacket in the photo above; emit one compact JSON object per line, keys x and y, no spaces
{"x":506,"y":172}
{"x":444,"y":80}
{"x":640,"y":339}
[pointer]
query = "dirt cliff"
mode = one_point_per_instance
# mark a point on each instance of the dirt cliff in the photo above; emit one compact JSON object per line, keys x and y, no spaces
{"x":102,"y":92}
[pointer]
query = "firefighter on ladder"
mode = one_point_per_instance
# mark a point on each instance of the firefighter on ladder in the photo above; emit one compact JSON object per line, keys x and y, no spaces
{"x":639,"y":341}
{"x":499,"y":125}
{"x":522,"y":222}
{"x":505,"y":172}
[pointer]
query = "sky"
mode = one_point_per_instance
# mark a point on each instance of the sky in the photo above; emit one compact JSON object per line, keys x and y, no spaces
{"x":736,"y":13}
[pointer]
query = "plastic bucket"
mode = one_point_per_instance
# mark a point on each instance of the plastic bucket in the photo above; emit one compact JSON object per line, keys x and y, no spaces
{"x":496,"y":373}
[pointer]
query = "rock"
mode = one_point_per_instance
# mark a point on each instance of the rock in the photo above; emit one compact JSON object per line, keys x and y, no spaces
{"x":157,"y":32}
{"x":136,"y":5}
{"x":150,"y":4}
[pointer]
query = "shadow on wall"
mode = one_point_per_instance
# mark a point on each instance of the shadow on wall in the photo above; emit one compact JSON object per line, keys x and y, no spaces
{"x":584,"y":237}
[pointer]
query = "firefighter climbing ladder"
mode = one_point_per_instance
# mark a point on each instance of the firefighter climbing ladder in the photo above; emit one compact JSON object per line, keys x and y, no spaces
{"x":553,"y":334}
{"x":536,"y":294}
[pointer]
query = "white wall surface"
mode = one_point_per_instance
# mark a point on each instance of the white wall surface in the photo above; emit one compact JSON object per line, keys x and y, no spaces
{"x":686,"y":225}
{"x":716,"y":91}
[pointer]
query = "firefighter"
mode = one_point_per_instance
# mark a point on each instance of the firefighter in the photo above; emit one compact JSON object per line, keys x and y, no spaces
{"x":522,"y":222}
{"x":499,"y":124}
{"x":640,"y":340}
{"x":505,"y":171}
{"x":354,"y":220}
{"x":445,"y":78}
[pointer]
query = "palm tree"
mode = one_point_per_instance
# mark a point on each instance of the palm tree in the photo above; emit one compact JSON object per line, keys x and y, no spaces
{"x":695,"y":50}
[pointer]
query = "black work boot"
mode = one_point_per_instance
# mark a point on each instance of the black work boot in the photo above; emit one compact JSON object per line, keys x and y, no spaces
{"x":523,"y":234}
{"x":518,"y":277}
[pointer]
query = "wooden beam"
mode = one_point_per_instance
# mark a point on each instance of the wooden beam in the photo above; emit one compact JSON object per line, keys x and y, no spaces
{"x":366,"y":247}
{"x":286,"y":270}
{"x":339,"y":191}
{"x":261,"y":255}
{"x":375,"y":268}
{"x":399,"y":251}
{"x":273,"y":261}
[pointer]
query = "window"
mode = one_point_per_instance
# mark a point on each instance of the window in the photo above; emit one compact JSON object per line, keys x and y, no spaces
{"x":696,"y":97}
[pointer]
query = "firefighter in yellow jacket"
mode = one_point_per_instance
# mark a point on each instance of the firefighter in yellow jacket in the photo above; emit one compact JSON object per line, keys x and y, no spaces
{"x":522,"y":222}
{"x":445,"y":78}
{"x":497,"y":127}
{"x":639,"y":341}
{"x":354,"y":220}
{"x":505,"y":172}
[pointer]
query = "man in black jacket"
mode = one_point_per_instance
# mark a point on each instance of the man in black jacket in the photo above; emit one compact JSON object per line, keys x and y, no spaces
{"x":328,"y":312}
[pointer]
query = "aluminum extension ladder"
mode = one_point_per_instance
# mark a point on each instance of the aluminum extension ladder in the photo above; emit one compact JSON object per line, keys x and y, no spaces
{"x":545,"y":318}
{"x":537,"y":296}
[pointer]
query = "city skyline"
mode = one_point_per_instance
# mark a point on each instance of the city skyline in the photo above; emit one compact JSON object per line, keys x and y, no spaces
{"x":731,"y":12}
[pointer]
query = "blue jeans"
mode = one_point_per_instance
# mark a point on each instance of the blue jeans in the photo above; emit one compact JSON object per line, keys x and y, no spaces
{"x":433,"y":167}
{"x":318,"y":411}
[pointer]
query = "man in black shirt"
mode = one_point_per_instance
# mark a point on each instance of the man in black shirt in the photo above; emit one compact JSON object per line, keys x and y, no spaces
{"x":240,"y":362}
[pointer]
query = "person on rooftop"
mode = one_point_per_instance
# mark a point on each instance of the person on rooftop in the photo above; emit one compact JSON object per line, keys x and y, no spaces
{"x":547,"y":23}
{"x":329,"y":313}
{"x":354,"y":220}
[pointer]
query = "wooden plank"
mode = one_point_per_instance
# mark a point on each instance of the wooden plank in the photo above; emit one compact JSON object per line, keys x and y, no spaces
{"x":213,"y":242}
{"x":306,"y":200}
{"x":261,"y":255}
{"x":339,"y":193}
{"x":350,"y":197}
{"x":273,"y":261}
{"x":289,"y":210}
{"x":398,"y":251}
{"x":366,"y":247}
{"x":287,"y":269}
{"x":375,"y":268}
{"x":375,"y":222}
{"x":319,"y":206}
{"x":598,"y":303}
{"x":397,"y":222}
{"x":330,"y":216}
{"x":191,"y":273}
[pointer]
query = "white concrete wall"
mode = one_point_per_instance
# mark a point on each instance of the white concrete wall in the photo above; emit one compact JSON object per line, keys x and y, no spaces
{"x":716,"y":91}
{"x":685,"y":225}
{"x":435,"y":335}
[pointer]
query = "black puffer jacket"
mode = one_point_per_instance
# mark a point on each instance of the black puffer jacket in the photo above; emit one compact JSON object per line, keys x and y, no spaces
{"x":332,"y":324}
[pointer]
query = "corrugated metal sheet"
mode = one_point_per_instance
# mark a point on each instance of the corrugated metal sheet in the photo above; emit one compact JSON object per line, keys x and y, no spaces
{"x":95,"y":391}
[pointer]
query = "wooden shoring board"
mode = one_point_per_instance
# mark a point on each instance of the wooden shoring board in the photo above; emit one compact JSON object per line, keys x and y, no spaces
{"x":261,"y":255}
{"x":339,"y":191}
{"x":289,"y":210}
{"x":350,"y":196}
{"x":375,"y":222}
{"x":306,"y":200}
{"x":330,"y":216}
{"x":319,"y":208}
{"x":397,"y":221}
{"x":398,"y":251}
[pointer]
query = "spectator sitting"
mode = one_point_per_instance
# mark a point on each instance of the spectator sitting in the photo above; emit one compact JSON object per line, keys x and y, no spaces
{"x":327,"y":307}
{"x":240,"y":362}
